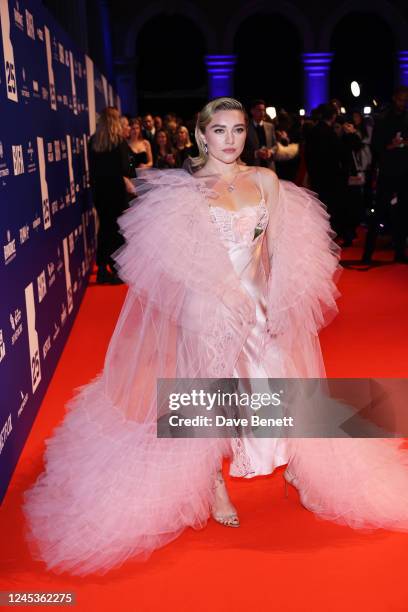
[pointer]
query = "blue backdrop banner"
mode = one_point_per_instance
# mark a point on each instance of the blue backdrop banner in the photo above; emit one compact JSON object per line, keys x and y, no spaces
{"x":50,"y":94}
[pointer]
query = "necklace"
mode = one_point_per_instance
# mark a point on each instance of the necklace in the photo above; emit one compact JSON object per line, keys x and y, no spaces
{"x":230,"y":185}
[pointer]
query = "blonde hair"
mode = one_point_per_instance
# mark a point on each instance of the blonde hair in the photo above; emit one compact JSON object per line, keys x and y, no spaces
{"x":182,"y":128}
{"x":108,"y":132}
{"x":204,"y":118}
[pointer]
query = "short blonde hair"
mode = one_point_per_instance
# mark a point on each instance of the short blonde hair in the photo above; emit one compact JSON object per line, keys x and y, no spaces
{"x":108,"y":132}
{"x":204,"y":118}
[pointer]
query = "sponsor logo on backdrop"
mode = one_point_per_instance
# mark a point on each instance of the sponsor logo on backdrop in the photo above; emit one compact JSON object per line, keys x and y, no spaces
{"x":44,"y":184}
{"x":31,"y":166}
{"x":2,"y":346}
{"x":35,"y":363}
{"x":50,"y":152}
{"x":73,"y":87}
{"x":90,"y":87}
{"x":5,"y":432}
{"x":56,"y":332}
{"x":42,"y":286}
{"x":86,"y":160}
{"x":46,"y":346}
{"x":23,"y":402}
{"x":30,"y":25}
{"x":25,"y":92}
{"x":24,"y":233}
{"x":4,"y":171}
{"x":9,"y":248}
{"x":63,"y":315}
{"x":40,"y":34}
{"x":18,"y":160}
{"x":70,"y":170}
{"x":8,"y":53}
{"x":16,"y":325}
{"x":18,"y":17}
{"x":70,"y":301}
{"x":61,"y":54}
{"x":51,"y":273}
{"x":37,"y":222}
{"x":57,"y":149}
{"x":71,"y":243}
{"x":51,"y":78}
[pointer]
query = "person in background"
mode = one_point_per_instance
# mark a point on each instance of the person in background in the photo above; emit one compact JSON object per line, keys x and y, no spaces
{"x":142,"y":156}
{"x":158,"y":123}
{"x":166,"y":155}
{"x":390,"y":147}
{"x":110,"y":174}
{"x":261,"y":143}
{"x":149,"y":129}
{"x":184,"y":146}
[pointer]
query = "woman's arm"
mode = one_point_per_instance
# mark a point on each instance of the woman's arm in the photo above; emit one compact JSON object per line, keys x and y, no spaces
{"x":270,"y":186}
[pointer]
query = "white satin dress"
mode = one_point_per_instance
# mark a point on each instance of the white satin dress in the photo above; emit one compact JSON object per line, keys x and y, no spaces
{"x":242,"y":233}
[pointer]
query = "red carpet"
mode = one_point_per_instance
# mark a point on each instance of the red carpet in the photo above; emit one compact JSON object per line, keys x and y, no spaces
{"x":281,"y":558}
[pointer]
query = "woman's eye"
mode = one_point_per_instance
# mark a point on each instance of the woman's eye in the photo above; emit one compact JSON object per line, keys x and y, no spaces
{"x":219,"y":131}
{"x":240,"y":130}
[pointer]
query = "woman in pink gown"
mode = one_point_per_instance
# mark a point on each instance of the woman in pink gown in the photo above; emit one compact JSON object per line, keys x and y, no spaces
{"x":231,"y":275}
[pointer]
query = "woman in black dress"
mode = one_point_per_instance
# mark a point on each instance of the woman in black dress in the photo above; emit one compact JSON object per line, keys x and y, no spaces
{"x":141,"y":150}
{"x":110,"y":172}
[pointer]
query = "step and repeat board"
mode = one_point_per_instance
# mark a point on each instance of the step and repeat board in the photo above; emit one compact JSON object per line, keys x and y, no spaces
{"x":50,"y":96}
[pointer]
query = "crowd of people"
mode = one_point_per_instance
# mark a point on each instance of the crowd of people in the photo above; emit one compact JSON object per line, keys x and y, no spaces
{"x":358,"y":165}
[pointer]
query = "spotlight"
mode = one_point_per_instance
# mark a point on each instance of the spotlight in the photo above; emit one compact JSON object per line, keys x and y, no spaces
{"x":355,"y":89}
{"x":373,"y":210}
{"x":367,"y":110}
{"x":343,"y":110}
{"x":302,"y":112}
{"x":271,"y":112}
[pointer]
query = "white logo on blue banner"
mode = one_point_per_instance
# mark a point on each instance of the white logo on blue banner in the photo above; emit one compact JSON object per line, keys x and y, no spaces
{"x":68,"y":284}
{"x":70,"y":170}
{"x":9,"y":66}
{"x":90,"y":86}
{"x":73,"y":87}
{"x":35,"y":364}
{"x":44,"y":185}
{"x":18,"y":160}
{"x":51,"y":79}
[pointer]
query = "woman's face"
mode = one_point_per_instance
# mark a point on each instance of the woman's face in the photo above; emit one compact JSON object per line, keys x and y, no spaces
{"x":125,"y":127}
{"x":162,"y":139}
{"x":182,"y":136}
{"x":225,"y":135}
{"x":135,"y":130}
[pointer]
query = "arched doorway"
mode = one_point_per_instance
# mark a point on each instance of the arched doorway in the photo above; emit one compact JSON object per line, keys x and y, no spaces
{"x":268,"y":48}
{"x":170,"y":69}
{"x":363,"y":45}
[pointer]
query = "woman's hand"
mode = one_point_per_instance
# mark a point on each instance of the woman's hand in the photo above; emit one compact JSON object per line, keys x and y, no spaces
{"x":239,"y":302}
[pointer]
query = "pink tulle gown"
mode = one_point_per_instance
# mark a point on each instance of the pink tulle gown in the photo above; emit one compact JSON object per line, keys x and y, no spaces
{"x":111,"y":490}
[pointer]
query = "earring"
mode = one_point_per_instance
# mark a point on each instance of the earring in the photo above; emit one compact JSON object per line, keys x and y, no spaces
{"x":206,"y":148}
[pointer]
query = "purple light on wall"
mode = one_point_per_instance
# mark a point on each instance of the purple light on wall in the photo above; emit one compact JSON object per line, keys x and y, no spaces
{"x":403,"y":67}
{"x":220,"y":69}
{"x":316,"y":68}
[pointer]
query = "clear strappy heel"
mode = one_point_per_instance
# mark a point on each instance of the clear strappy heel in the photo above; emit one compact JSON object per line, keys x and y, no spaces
{"x":228,"y":520}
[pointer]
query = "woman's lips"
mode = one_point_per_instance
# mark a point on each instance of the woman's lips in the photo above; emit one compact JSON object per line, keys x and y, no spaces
{"x":229,"y":150}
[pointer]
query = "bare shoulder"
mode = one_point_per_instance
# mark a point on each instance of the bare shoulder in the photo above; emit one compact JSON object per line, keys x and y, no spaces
{"x":270,"y":182}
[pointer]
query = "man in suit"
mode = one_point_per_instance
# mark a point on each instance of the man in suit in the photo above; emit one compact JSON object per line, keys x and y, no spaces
{"x":149,"y":133}
{"x":324,"y":154}
{"x":390,"y":146}
{"x":261,"y":142}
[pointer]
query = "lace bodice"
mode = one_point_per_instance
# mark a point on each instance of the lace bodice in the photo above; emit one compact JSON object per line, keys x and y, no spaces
{"x":246,"y":225}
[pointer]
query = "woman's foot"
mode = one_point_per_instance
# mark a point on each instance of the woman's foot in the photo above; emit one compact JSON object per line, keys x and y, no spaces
{"x":222,"y":510}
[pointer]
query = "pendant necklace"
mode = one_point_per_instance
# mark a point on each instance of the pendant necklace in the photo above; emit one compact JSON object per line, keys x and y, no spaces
{"x":231,"y":186}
